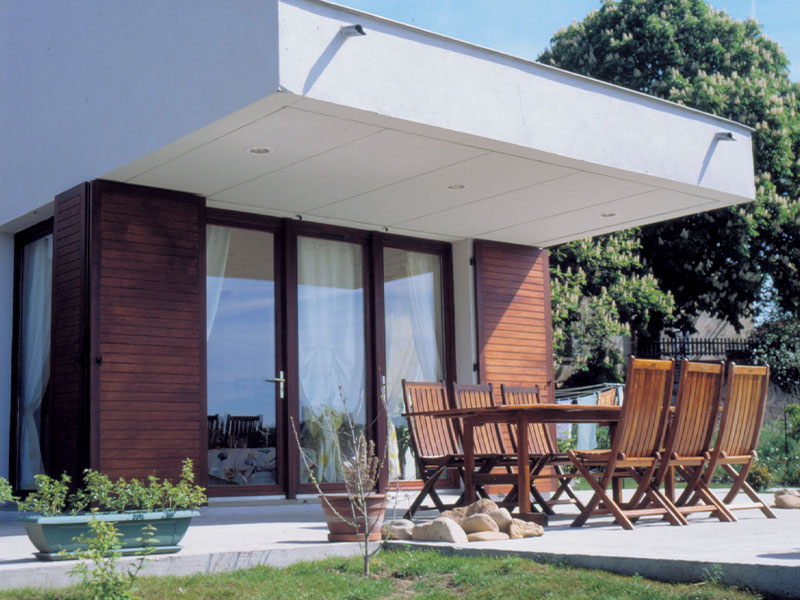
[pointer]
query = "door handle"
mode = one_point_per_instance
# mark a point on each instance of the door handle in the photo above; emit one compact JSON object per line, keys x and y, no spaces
{"x":281,"y":381}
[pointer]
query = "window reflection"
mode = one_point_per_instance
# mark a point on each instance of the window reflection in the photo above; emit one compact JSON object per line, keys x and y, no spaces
{"x":240,"y":329}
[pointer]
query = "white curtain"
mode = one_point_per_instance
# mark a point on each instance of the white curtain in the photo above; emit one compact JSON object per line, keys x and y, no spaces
{"x":331,"y":347}
{"x":413,"y":335}
{"x":35,"y":354}
{"x":218,"y":241}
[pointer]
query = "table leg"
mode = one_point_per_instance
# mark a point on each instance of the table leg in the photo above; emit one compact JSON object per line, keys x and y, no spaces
{"x":616,"y":482}
{"x":523,"y":473}
{"x":469,"y":460}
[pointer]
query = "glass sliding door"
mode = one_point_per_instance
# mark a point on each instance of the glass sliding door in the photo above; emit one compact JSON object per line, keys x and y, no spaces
{"x":412,"y":291}
{"x":331,"y":353}
{"x":34,"y":353}
{"x":241,"y":356}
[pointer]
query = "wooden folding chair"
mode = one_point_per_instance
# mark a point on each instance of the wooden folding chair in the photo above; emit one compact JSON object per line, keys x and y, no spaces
{"x":242,"y":431}
{"x":689,"y":438}
{"x":739,"y":429}
{"x":490,"y":448}
{"x":543,"y":451}
{"x":635,"y":449}
{"x":434,"y":442}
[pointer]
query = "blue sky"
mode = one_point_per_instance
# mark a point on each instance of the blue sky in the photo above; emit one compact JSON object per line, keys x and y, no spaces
{"x":524,"y":27}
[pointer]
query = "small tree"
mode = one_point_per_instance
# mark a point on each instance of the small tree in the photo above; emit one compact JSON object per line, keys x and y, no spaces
{"x":776,"y":343}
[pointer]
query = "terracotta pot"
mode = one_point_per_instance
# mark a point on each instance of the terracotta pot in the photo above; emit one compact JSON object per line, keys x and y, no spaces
{"x":339,"y":531}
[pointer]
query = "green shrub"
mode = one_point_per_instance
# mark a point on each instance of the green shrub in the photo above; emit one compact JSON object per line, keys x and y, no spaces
{"x":759,"y":476}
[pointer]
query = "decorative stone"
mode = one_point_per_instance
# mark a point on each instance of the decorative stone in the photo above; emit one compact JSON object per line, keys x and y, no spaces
{"x":458,"y":514}
{"x":487,"y":536}
{"x":787,"y":499}
{"x":441,"y":529}
{"x":400,"y":529}
{"x":502,"y":517}
{"x":478,"y":522}
{"x":519,"y":529}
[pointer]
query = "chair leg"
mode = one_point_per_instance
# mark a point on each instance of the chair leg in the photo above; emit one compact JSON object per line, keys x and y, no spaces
{"x":696,"y":487}
{"x":600,"y":495}
{"x":427,"y":490}
{"x":740,"y":484}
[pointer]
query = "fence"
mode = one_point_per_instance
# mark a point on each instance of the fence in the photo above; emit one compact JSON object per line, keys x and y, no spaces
{"x":694,"y":348}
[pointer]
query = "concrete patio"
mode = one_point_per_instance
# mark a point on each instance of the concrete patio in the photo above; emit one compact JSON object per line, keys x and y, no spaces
{"x":761,"y":553}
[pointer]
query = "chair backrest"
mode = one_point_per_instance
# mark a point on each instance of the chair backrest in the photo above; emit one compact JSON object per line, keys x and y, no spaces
{"x":742,"y":410}
{"x":696,"y":408}
{"x":430,"y":437}
{"x":487,"y":438}
{"x":241,"y":431}
{"x":648,"y":392}
{"x":539,"y":439}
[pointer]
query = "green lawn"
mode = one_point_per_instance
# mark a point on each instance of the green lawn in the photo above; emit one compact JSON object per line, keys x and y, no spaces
{"x":399,"y":574}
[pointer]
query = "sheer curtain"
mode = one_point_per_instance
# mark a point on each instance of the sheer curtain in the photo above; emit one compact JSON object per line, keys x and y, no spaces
{"x":218,"y":241}
{"x":331,"y":348}
{"x":412,"y":307}
{"x":35,"y":354}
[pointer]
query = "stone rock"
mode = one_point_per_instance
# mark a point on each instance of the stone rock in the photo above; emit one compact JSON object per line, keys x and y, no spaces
{"x":487,"y":536}
{"x":458,"y":514}
{"x":787,"y":500}
{"x":478,"y":522}
{"x":785,"y":492}
{"x":441,"y":529}
{"x":519,"y":529}
{"x":502,"y":517}
{"x":400,"y":530}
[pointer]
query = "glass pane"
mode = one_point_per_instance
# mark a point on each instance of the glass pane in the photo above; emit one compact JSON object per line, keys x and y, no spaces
{"x":412,"y":290}
{"x":34,"y":369}
{"x":240,"y":328}
{"x":330,"y":316}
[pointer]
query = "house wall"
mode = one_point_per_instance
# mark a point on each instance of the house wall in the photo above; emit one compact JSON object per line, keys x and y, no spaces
{"x":148,"y":397}
{"x":93,"y":73}
{"x":6,"y":305}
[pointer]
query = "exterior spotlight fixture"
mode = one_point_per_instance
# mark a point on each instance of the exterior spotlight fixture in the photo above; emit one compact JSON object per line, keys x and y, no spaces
{"x":260,"y":150}
{"x":299,"y":217}
{"x":608,"y":215}
{"x":352,"y":31}
{"x":724,"y":136}
{"x":453,"y":187}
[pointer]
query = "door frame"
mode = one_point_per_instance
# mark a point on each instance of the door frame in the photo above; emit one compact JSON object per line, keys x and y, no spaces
{"x":275,"y":227}
{"x":286,"y":232}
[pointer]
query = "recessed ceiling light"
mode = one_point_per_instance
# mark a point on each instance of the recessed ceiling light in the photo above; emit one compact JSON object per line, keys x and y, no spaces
{"x":456,"y":186}
{"x":607,"y":215}
{"x":260,"y":150}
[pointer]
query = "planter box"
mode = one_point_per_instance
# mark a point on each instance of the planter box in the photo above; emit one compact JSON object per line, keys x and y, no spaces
{"x":52,"y":535}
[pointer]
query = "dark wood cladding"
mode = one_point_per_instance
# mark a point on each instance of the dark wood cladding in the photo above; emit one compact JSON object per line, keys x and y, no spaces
{"x":66,"y":413}
{"x":515,"y":344}
{"x":148,"y":354}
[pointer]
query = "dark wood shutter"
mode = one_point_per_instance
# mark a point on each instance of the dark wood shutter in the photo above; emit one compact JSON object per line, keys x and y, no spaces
{"x":65,"y":415}
{"x":148,"y":318}
{"x":515,"y":342}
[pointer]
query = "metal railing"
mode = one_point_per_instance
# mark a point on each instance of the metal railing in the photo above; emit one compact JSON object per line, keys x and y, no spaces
{"x":694,"y":348}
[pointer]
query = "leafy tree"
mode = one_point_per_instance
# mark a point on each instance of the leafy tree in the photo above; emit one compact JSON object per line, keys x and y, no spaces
{"x":686,"y":52}
{"x":776,"y":343}
{"x":607,"y":294}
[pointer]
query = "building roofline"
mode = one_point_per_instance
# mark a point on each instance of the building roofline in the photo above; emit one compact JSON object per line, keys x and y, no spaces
{"x":529,"y":62}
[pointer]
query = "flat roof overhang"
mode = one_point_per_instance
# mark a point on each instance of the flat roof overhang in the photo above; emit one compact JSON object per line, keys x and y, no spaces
{"x":410,"y":132}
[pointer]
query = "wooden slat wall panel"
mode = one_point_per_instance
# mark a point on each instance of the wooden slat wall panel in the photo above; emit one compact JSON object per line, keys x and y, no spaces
{"x":150,"y":386}
{"x":66,"y":426}
{"x":513,"y":307}
{"x":515,"y":344}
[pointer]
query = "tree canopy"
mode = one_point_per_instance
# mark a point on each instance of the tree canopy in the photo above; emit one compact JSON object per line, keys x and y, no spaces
{"x":686,"y":52}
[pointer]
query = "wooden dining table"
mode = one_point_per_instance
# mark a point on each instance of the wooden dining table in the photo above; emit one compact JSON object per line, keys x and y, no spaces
{"x":521,"y":415}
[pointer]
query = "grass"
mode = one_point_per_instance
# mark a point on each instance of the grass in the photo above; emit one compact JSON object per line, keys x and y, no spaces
{"x":421,"y":574}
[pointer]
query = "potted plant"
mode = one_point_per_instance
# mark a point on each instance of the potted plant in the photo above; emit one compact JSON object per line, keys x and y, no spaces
{"x":57,"y":517}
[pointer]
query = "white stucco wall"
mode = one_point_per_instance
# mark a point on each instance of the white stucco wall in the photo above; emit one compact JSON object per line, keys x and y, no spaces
{"x":6,"y":294}
{"x":424,"y":78}
{"x":89,"y":85}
